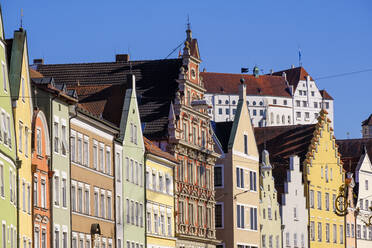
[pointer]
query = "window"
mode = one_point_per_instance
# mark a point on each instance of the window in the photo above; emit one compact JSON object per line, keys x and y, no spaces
{"x":23,"y":89}
{"x":80,"y":199}
{"x":245,"y":144}
{"x":218,"y":176}
{"x":132,"y":212}
{"x":38,"y":142}
{"x":43,"y":239}
{"x":253,"y":218}
{"x":148,"y":219}
{"x":342,"y":234}
{"x":252,"y":181}
{"x":86,"y":151}
{"x":87,"y":201}
{"x":167,"y":184}
{"x":227,"y":111}
{"x":156,"y":223}
{"x":352,"y":230}
{"x":56,"y":190}
{"x":73,"y":198}
{"x":264,"y":241}
{"x":295,"y":239}
{"x":366,"y":184}
{"x":101,"y":158}
{"x":95,"y":154}
{"x":56,"y":137}
{"x":364,"y":232}
{"x":333,"y":201}
{"x":191,"y":214}
{"x":319,"y":200}
{"x":327,"y":201}
{"x":190,"y":172}
{"x":24,"y":196}
{"x":327,"y":232}
{"x":72,"y":148}
{"x":181,"y":207}
{"x":298,"y":103}
{"x":327,"y":105}
{"x":35,"y":191}
{"x":285,"y":102}
{"x":162,"y":224}
{"x":359,"y":230}
{"x":136,"y":213}
{"x":254,"y":112}
{"x":64,"y":240}
{"x":169,"y":223}
{"x":220,"y":111}
{"x":109,"y":207}
{"x":287,"y":239}
{"x":4,"y":84}
{"x":334,"y":233}
{"x":298,"y":115}
{"x":154,"y":180}
{"x":63,"y":139}
{"x":240,"y":216}
{"x":218,"y":215}
{"x":56,"y":238}
{"x":307,"y":115}
{"x":132,"y":170}
{"x":43,"y":194}
{"x":108,"y":161}
{"x":347,"y":230}
{"x":312,"y":198}
{"x":315,"y":104}
{"x":128,"y":210}
{"x":36,"y":237}
{"x":102,"y":207}
{"x":312,"y":230}
{"x":20,"y":143}
{"x":26,"y":141}
{"x":319,"y":231}
{"x":96,"y":204}
{"x":239,"y":177}
{"x":2,"y":186}
{"x":141,"y":215}
{"x":64,"y":192}
{"x":261,"y":112}
{"x":304,"y":104}
{"x":118,"y":166}
{"x":269,"y":215}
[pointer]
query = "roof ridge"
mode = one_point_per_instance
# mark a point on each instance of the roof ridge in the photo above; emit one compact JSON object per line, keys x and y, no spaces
{"x":230,"y":73}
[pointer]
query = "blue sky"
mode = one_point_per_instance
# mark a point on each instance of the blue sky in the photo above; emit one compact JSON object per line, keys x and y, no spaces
{"x":335,"y":37}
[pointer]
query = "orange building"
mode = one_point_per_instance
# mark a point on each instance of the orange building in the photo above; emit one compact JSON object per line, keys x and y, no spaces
{"x":40,"y":180}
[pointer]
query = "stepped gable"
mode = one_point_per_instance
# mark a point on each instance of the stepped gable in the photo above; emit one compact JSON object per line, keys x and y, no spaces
{"x":352,"y":149}
{"x":155,"y":150}
{"x":368,"y":121}
{"x":285,"y":141}
{"x":228,"y":83}
{"x":223,"y":131}
{"x":294,"y":75}
{"x":156,"y":87}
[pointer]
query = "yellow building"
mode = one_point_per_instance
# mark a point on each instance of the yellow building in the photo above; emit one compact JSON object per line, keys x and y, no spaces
{"x":159,"y":197}
{"x":22,"y":110}
{"x":324,"y":175}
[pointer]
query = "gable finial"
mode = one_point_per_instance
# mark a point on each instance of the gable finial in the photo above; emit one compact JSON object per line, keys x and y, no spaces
{"x":188,"y":31}
{"x":21,"y":18}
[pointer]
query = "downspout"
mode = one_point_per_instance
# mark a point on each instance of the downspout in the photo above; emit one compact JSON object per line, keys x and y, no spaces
{"x":308,"y":213}
{"x":69,"y":164}
{"x":145,"y":193}
{"x":50,"y":167}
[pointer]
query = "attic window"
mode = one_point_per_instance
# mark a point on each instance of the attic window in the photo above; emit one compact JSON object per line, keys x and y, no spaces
{"x":254,"y":103}
{"x":261,"y":103}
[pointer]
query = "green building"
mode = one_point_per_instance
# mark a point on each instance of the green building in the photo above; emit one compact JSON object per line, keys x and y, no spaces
{"x":8,"y":165}
{"x":54,"y":100}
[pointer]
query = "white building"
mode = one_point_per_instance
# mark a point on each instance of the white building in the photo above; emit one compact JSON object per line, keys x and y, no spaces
{"x":286,"y":97}
{"x":356,"y":155}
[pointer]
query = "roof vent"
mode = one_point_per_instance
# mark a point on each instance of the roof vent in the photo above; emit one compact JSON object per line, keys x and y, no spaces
{"x":122,"y":57}
{"x":38,"y":61}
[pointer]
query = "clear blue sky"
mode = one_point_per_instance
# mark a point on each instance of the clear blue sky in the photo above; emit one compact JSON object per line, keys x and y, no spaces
{"x":335,"y":37}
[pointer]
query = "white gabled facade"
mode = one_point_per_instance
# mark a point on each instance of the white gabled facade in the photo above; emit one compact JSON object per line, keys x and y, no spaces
{"x":301,"y":104}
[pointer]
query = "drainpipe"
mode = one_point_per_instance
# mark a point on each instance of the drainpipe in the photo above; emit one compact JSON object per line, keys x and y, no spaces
{"x":145,"y":194}
{"x":69,"y":164}
{"x":308,"y":213}
{"x":50,"y":167}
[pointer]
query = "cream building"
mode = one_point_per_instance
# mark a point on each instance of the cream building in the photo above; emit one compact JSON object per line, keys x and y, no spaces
{"x":236,"y":181}
{"x":159,"y":197}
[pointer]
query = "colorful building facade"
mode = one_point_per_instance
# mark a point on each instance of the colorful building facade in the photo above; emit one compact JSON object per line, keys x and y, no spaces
{"x":41,"y":176}
{"x":8,"y":164}
{"x":20,"y":88}
{"x":324,"y":175}
{"x":92,"y":180}
{"x":236,"y":180}
{"x":271,"y":224}
{"x":159,"y":197}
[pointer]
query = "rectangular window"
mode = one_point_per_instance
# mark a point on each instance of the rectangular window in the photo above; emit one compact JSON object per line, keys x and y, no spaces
{"x":334,"y":233}
{"x":24,"y":196}
{"x":101,"y":158}
{"x":56,"y":136}
{"x":64,"y":192}
{"x":38,"y":142}
{"x":148,"y":219}
{"x":87,"y":201}
{"x":240,"y":216}
{"x":56,"y":190}
{"x":253,"y":180}
{"x":141,"y":215}
{"x":194,"y":135}
{"x":4,"y":83}
{"x":203,"y":138}
{"x":86,"y":151}
{"x":23,"y":88}
{"x":118,"y":210}
{"x":366,"y":184}
{"x":162,"y":224}
{"x":327,"y":201}
{"x":118,"y":166}
{"x":80,"y":200}
{"x":169,"y":223}
{"x":35,"y":192}
{"x":109,"y":207}
{"x":190,"y":172}
{"x":43,"y":239}
{"x":96,"y":206}
{"x":72,"y":148}
{"x":253,"y":218}
{"x":2,"y":186}
{"x":64,"y":240}
{"x":20,"y":133}
{"x":319,"y":232}
{"x":239,"y":177}
{"x":43,"y":194}
{"x":36,"y":237}
{"x":245,"y":144}
{"x":191,"y":214}
{"x":327,"y":232}
{"x":319,"y":194}
{"x":218,"y":176}
{"x":63,"y":140}
{"x":102,"y":207}
{"x":128,"y":211}
{"x":218,"y":215}
{"x":304,"y":104}
{"x":312,"y":230}
{"x":56,"y":239}
{"x":185,"y":130}
{"x":342,"y":234}
{"x":95,"y":154}
{"x":108,"y":161}
{"x":73,"y":198}
{"x":127,"y":168}
{"x":26,"y":141}
{"x":156,"y":223}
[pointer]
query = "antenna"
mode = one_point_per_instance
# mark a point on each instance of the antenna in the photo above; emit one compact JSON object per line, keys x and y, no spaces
{"x":299,"y":57}
{"x":22,"y":18}
{"x":188,"y":22}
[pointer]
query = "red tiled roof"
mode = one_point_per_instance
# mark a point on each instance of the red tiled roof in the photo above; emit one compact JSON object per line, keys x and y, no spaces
{"x":294,"y":75}
{"x":153,"y":149}
{"x":368,"y":121}
{"x":228,"y":83}
{"x":352,"y":149}
{"x":325,"y":95}
{"x":194,"y":50}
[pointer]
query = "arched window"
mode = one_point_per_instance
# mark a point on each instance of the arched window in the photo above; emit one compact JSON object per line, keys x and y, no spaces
{"x":272,"y":118}
{"x":227,"y":102}
{"x":289,"y":119}
{"x":277,"y":119}
{"x":254,"y":103}
{"x":283,"y":119}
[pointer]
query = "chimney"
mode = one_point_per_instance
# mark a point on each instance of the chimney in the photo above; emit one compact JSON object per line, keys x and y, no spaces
{"x":38,"y":61}
{"x":242,"y":90}
{"x":122,"y":57}
{"x":292,"y":66}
